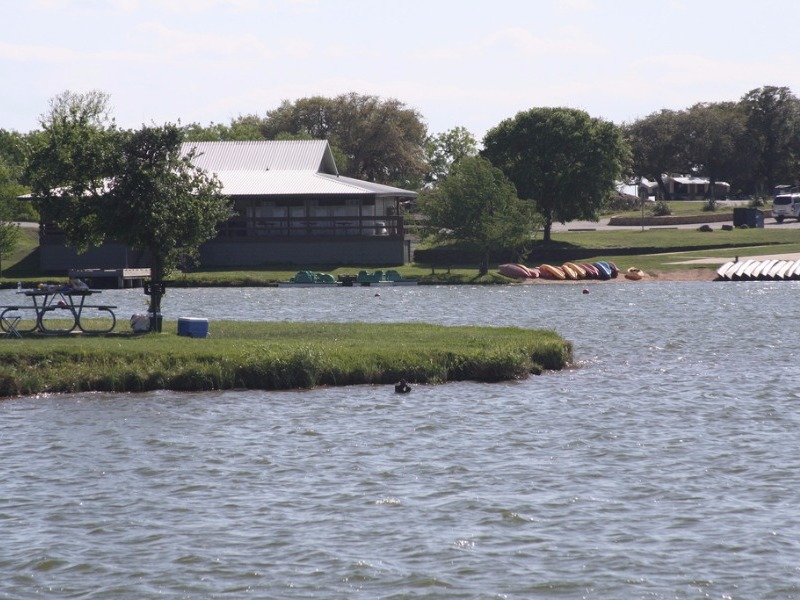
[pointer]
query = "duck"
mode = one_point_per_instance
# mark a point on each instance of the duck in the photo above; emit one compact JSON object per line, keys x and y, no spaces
{"x":402,"y":387}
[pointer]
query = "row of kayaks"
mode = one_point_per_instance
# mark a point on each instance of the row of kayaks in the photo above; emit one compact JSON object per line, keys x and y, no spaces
{"x":752,"y":269}
{"x":598,"y":270}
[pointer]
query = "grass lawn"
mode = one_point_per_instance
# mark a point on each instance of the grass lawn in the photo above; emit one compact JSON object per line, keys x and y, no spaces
{"x":652,"y":249}
{"x":273,"y":356}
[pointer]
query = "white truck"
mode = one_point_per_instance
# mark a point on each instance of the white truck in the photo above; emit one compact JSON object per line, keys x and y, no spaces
{"x":786,"y":205}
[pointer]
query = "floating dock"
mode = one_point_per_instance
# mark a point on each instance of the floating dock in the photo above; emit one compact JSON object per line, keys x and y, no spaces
{"x":760,"y":270}
{"x":111,"y":278}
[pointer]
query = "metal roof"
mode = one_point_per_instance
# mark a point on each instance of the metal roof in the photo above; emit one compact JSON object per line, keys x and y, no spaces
{"x":291,"y":167}
{"x":288,"y":155}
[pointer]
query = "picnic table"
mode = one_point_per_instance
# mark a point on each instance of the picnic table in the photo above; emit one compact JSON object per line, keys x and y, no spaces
{"x":63,"y":303}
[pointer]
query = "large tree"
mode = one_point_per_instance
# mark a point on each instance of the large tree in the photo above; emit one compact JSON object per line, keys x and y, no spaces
{"x":656,"y":147}
{"x":382,"y":140}
{"x":97,"y":183}
{"x":773,"y":122}
{"x":563,"y":160}
{"x":713,"y":139}
{"x":476,"y":204}
{"x":70,"y":163}
{"x":161,"y":203}
{"x":445,"y":149}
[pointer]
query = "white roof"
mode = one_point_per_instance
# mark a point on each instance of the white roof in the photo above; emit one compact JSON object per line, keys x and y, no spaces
{"x":288,"y":155}
{"x":290,"y":167}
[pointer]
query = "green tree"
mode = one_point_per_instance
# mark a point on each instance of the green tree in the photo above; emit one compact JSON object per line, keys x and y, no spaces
{"x":656,"y":147}
{"x":161,"y":203}
{"x":445,"y":149}
{"x":9,"y":229}
{"x":70,"y":163}
{"x":773,"y":123}
{"x":247,"y":128}
{"x":713,"y":135}
{"x":476,"y":204}
{"x":382,"y":140}
{"x":98,"y":183}
{"x":565,"y":161}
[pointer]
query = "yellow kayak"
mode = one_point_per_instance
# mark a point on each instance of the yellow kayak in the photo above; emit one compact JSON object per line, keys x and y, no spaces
{"x":551,"y":272}
{"x":579,"y":270}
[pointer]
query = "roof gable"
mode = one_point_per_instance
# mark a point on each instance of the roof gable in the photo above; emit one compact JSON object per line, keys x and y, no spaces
{"x":285,"y":167}
{"x":278,"y":155}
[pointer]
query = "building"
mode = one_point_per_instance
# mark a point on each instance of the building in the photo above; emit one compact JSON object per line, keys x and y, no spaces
{"x":291,"y":207}
{"x":685,"y":187}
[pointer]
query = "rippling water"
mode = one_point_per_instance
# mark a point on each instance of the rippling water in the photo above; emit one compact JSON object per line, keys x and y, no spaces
{"x":664,"y":466}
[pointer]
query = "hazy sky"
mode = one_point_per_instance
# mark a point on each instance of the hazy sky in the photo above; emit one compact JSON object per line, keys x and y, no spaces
{"x":469,"y":63}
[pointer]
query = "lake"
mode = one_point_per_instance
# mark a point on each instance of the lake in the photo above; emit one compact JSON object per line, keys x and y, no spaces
{"x":664,"y":465}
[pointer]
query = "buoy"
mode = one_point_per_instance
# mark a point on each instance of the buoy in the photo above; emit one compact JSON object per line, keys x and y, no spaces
{"x":402,"y":387}
{"x":377,"y":295}
{"x":585,"y":291}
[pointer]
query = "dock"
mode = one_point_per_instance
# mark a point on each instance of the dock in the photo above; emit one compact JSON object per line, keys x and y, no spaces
{"x":111,"y":278}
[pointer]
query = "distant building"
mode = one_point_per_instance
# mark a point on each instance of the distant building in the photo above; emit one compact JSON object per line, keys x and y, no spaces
{"x":685,"y":187}
{"x":291,"y":207}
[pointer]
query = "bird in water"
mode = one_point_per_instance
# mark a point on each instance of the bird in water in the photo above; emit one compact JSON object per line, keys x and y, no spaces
{"x":402,"y":387}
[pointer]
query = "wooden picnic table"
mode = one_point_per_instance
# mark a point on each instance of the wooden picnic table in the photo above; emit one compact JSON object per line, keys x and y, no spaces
{"x":61,"y":302}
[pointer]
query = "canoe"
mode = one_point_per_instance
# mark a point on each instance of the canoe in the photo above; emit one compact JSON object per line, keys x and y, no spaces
{"x":739,"y":271}
{"x":534,"y":271}
{"x":722,"y":272}
{"x":772,"y":272}
{"x":633,"y":274}
{"x":591,"y":270}
{"x":750,"y":270}
{"x":784,"y":268}
{"x":603,"y":269}
{"x":551,"y":272}
{"x":514,"y":271}
{"x":569,"y":272}
{"x":614,"y":268}
{"x":755,"y":272}
{"x":579,"y":270}
{"x":794,"y":271}
{"x":766,"y":269}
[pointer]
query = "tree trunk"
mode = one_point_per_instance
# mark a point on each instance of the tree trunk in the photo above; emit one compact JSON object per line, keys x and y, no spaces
{"x":548,"y":227}
{"x":662,"y":188}
{"x":156,"y":293}
{"x":483,"y":269}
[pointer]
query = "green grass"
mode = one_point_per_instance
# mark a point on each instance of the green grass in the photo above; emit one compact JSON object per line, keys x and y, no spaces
{"x":273,"y":356}
{"x":680,"y":208}
{"x":649,"y":249}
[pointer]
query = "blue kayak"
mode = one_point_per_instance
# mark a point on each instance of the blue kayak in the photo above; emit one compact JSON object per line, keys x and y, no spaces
{"x":604,"y":269}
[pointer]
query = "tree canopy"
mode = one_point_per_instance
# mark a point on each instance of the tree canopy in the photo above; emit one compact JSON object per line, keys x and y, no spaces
{"x":476,"y":204}
{"x":383,"y":140}
{"x":445,"y":149}
{"x":98,"y":183}
{"x":773,"y":124}
{"x":563,"y":160}
{"x":71,"y":162}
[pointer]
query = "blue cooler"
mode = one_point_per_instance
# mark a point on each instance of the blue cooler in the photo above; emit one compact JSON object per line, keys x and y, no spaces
{"x":192,"y":327}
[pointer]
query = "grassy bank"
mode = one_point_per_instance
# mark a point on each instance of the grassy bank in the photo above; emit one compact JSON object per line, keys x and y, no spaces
{"x":651,"y":249}
{"x":276,"y":356}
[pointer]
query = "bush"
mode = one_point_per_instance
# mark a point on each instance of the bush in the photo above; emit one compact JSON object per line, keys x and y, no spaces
{"x":661,"y":209}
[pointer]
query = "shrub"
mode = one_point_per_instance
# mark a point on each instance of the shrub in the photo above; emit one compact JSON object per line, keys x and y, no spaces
{"x":661,"y":209}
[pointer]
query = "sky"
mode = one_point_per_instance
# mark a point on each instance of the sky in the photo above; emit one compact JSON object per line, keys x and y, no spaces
{"x":465,"y":63}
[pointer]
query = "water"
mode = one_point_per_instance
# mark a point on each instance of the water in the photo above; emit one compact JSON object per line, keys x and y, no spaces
{"x":664,"y":466}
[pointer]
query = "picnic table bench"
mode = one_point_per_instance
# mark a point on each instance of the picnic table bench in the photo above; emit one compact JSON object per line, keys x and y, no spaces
{"x":63,"y":303}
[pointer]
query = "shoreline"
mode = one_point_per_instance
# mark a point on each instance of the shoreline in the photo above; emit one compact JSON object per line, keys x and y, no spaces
{"x":676,"y":276}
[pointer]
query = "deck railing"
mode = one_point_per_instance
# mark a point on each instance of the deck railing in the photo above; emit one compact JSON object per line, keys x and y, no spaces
{"x":287,"y":227}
